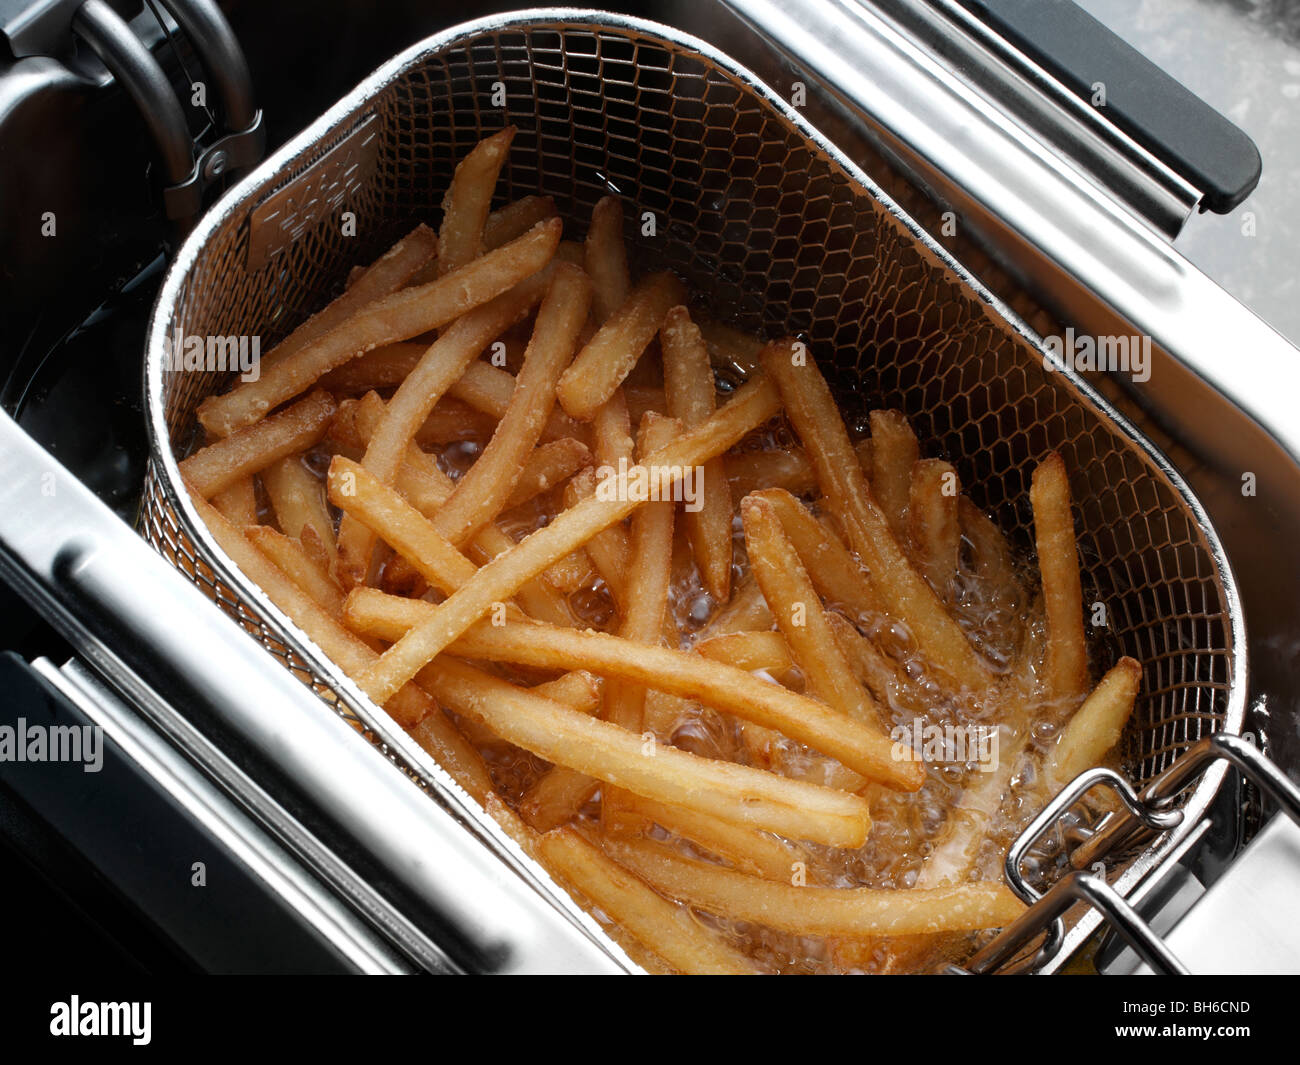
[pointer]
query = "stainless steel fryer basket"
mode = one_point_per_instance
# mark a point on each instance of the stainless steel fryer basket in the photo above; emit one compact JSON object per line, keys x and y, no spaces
{"x":727,"y":185}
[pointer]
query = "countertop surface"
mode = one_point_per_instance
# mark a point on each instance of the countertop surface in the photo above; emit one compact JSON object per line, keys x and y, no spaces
{"x":1243,"y":58}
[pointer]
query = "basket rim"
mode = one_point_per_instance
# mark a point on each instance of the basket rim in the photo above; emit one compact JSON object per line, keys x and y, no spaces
{"x":299,"y":150}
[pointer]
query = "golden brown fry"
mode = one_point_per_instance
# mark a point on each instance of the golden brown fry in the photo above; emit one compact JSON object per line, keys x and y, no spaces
{"x":350,"y":652}
{"x":753,"y":471}
{"x":287,"y":553}
{"x":578,"y":690}
{"x":859,"y":747}
{"x":632,"y":906}
{"x":894,"y":451}
{"x":817,"y":910}
{"x":451,"y":750}
{"x":482,"y":492}
{"x":835,"y":573}
{"x":606,"y":258}
{"x":755,"y":853}
{"x":298,"y":499}
{"x":427,"y":488}
{"x":442,"y":363}
{"x":1097,"y":725}
{"x":599,"y":749}
{"x":385,"y":276}
{"x":799,"y":613}
{"x":385,"y":367}
{"x":548,"y":467}
{"x":751,"y":406}
{"x":747,"y":612}
{"x":608,"y":358}
{"x":238,"y":502}
{"x":1058,"y":562}
{"x":933,"y":525}
{"x":356,"y":491}
{"x":812,"y":411}
{"x":689,"y":388}
{"x":469,"y":199}
{"x":400,"y":316}
{"x":219,"y":465}
{"x":750,"y":651}
{"x":610,"y":549}
{"x":515,"y":219}
{"x":488,"y":388}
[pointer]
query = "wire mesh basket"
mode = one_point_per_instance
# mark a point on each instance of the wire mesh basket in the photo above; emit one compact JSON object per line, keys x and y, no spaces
{"x":730,"y":188}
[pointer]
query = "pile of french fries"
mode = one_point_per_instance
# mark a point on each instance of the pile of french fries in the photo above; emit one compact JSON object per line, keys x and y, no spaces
{"x":465,"y":480}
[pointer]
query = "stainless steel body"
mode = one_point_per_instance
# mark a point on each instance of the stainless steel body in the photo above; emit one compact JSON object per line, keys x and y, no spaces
{"x":784,"y":232}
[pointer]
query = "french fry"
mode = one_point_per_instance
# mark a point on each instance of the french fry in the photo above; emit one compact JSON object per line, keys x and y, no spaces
{"x":608,"y":358}
{"x":799,"y":614}
{"x":935,"y":531}
{"x":747,"y":612}
{"x":751,"y":651}
{"x":427,"y":488}
{"x":749,"y":851}
{"x":349,"y":651}
{"x":630,"y":905}
{"x":753,"y":471}
{"x":400,"y":316}
{"x":610,"y":550}
{"x":1097,"y":725}
{"x":606,"y":258}
{"x":451,"y":422}
{"x":382,"y":278}
{"x":287,"y":553}
{"x":894,"y":451}
{"x":556,"y":797}
{"x":821,"y":911}
{"x":578,"y":690}
{"x":547,"y":467}
{"x":751,"y":406}
{"x":469,"y":199}
{"x":689,"y":388}
{"x":646,"y":595}
{"x":1058,"y":562}
{"x":602,"y":750}
{"x":385,"y":367}
{"x":358,"y":492}
{"x":219,"y":465}
{"x":451,"y":750}
{"x":298,"y":499}
{"x":871,"y":665}
{"x":812,"y":411}
{"x":859,"y":747}
{"x":238,"y":503}
{"x":442,"y":363}
{"x":488,"y":388}
{"x":835,"y":573}
{"x":650,"y":573}
{"x":515,"y":219}
{"x":482,"y":492}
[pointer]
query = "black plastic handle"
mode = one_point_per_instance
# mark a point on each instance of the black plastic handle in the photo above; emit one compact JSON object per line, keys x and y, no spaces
{"x":1172,"y":123}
